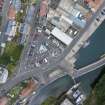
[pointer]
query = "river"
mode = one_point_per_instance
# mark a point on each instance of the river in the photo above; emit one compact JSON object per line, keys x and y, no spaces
{"x":94,"y":50}
{"x":53,"y":89}
{"x":90,"y":54}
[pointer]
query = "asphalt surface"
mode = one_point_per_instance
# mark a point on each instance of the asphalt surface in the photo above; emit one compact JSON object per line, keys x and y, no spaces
{"x":4,"y":20}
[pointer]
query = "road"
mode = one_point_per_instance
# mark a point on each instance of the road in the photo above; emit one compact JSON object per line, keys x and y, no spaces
{"x":23,"y":58}
{"x":4,"y":20}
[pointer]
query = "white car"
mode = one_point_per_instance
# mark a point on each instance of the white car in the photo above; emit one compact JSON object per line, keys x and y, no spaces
{"x":76,"y":94}
{"x":80,"y":99}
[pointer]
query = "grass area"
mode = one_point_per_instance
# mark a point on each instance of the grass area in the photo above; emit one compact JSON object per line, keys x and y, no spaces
{"x":97,"y":97}
{"x":11,"y":56}
{"x":14,"y":92}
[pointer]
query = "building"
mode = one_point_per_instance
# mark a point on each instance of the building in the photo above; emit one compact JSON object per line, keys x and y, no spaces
{"x":12,"y":13}
{"x":66,"y":102}
{"x":31,"y":86}
{"x":30,"y":13}
{"x":43,"y":8}
{"x":63,"y":37}
{"x":3,"y":101}
{"x":10,"y":29}
{"x":24,"y":30}
{"x":1,"y":5}
{"x":3,"y":75}
{"x":76,"y":94}
{"x":17,"y":4}
{"x":94,"y":4}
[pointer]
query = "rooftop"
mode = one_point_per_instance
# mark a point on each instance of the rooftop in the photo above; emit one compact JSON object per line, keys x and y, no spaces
{"x":12,"y":12}
{"x":66,"y":102}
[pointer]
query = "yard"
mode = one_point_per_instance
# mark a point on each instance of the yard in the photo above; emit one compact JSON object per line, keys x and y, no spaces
{"x":11,"y":56}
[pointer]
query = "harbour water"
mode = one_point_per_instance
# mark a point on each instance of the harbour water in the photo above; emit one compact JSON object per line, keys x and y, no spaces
{"x":90,"y":54}
{"x":94,"y":50}
{"x":53,"y":89}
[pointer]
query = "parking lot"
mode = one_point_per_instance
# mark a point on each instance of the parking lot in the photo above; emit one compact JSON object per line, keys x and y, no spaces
{"x":43,"y":49}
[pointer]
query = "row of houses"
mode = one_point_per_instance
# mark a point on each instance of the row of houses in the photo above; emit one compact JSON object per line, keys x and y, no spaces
{"x":67,"y":21}
{"x":11,"y":26}
{"x":1,"y":5}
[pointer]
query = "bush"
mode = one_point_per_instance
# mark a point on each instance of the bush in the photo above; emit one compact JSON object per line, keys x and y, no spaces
{"x":11,"y":55}
{"x":97,"y":96}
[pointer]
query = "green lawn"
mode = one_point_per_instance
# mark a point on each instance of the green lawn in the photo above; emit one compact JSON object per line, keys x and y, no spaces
{"x":11,"y":55}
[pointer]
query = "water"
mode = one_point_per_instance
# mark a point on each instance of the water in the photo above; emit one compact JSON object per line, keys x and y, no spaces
{"x":90,"y":54}
{"x":88,"y":79}
{"x":54,"y":89}
{"x":94,"y":50}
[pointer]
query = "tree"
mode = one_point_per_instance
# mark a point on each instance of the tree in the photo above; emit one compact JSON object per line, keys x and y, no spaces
{"x":50,"y":101}
{"x":97,"y":96}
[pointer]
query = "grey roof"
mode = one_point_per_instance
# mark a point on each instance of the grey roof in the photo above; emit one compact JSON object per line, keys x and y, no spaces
{"x":17,"y":4}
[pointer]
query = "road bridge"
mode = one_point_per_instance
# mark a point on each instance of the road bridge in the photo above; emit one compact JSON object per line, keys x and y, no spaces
{"x":89,"y":68}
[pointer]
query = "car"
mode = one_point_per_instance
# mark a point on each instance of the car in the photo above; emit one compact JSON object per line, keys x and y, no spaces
{"x":104,"y":10}
{"x":80,"y":99}
{"x":76,"y":94}
{"x":56,"y":42}
{"x":102,"y":13}
{"x":45,"y":60}
{"x":98,"y":19}
{"x":10,"y":2}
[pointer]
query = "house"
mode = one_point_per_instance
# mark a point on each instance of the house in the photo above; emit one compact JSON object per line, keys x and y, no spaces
{"x":3,"y":101}
{"x":10,"y":29}
{"x":43,"y":8}
{"x":94,"y":4}
{"x":17,"y":4}
{"x":12,"y":12}
{"x":31,"y":86}
{"x":24,"y":30}
{"x":3,"y":75}
{"x":30,"y":13}
{"x":66,"y":102}
{"x":1,"y":5}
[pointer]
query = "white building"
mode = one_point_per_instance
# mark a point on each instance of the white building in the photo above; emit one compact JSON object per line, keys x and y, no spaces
{"x":3,"y":75}
{"x":63,"y":37}
{"x":11,"y":29}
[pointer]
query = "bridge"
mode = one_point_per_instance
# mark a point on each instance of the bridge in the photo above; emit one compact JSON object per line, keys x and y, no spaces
{"x":89,"y":68}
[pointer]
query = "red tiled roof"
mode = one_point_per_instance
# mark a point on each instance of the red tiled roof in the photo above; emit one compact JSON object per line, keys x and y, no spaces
{"x":12,"y":13}
{"x":43,"y":8}
{"x":29,"y":88}
{"x":3,"y":101}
